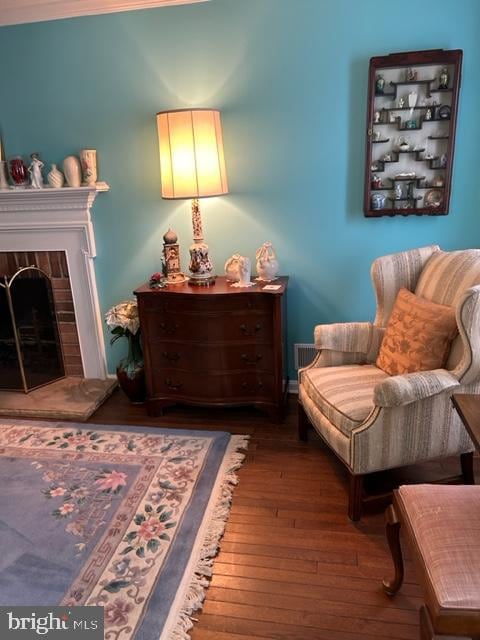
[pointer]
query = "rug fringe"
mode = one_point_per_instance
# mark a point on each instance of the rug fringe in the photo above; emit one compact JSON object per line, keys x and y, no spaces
{"x":203,"y":571}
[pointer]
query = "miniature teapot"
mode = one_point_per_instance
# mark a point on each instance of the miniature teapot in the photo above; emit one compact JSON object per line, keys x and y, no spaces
{"x":267,"y":263}
{"x":232,"y":267}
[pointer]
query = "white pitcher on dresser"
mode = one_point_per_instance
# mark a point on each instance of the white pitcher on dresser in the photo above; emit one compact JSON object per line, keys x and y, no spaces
{"x":267,"y":263}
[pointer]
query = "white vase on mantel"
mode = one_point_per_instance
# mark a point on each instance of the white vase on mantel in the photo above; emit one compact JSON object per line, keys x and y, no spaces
{"x":55,"y":177}
{"x":73,"y":171}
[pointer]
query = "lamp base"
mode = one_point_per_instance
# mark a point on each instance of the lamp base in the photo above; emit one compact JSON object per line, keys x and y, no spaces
{"x":201,"y":281}
{"x":200,"y":264}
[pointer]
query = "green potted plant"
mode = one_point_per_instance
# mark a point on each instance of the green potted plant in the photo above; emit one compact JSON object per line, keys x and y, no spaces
{"x":124,"y":323}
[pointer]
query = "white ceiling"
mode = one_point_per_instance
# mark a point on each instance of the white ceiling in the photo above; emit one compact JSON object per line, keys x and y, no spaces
{"x":21,"y":11}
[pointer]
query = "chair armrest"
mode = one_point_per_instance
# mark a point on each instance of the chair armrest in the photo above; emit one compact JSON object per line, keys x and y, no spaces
{"x":350,"y":337}
{"x":411,"y":387}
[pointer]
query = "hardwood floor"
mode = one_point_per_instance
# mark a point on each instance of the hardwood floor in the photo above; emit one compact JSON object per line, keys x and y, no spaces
{"x":291,"y":565}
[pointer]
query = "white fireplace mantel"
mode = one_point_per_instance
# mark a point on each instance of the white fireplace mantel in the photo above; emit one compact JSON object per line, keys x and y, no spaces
{"x":60,"y":220}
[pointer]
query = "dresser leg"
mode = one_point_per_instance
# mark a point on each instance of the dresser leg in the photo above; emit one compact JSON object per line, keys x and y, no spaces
{"x":157,"y":407}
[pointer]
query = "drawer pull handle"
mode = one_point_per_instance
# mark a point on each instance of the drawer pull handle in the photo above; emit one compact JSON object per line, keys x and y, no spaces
{"x":168,"y":328}
{"x":173,"y":356}
{"x":248,"y":360}
{"x":174,"y":386}
{"x":252,"y":386}
{"x":246,"y":332}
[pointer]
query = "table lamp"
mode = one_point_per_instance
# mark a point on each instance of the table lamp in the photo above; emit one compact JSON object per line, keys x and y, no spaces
{"x":192,"y":165}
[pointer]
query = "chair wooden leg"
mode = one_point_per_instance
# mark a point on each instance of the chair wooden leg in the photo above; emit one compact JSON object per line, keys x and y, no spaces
{"x":392,"y":531}
{"x":426,"y":627}
{"x":355,"y":497}
{"x":303,"y":424}
{"x":466,"y":462}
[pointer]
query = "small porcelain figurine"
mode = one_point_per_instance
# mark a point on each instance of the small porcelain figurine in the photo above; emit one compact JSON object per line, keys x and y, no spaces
{"x":171,"y":257}
{"x":410,"y":75}
{"x":55,"y":177}
{"x":35,"y":171}
{"x":428,"y":114}
{"x":376,"y":182}
{"x":379,"y":84}
{"x":412,"y":99}
{"x":443,"y":79}
{"x":232,"y":268}
{"x":267,"y":263}
{"x":377,"y":201}
{"x":377,"y":135}
{"x":401,"y":102}
{"x":376,"y":117}
{"x":398,"y":191}
{"x":244,"y":273}
{"x":392,"y":117}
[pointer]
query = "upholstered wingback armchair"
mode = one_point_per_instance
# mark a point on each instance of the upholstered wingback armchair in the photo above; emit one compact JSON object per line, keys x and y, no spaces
{"x":374,"y":421}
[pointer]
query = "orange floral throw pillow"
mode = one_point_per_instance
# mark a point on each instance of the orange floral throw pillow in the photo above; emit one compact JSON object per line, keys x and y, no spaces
{"x":418,"y":335}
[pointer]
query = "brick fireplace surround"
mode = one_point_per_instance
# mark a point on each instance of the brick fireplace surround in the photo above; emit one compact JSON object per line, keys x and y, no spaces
{"x":54,"y":264}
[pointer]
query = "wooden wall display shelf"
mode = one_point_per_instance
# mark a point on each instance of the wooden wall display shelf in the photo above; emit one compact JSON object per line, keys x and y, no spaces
{"x":411,"y":122}
{"x":217,"y":345}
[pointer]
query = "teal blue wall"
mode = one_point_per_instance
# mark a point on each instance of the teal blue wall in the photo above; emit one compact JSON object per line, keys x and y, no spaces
{"x":290,"y":79}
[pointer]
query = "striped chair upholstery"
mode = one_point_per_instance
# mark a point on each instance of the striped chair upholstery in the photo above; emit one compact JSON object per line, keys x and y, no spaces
{"x":374,"y":421}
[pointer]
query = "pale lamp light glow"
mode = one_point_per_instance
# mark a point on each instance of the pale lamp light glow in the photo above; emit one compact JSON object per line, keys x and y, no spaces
{"x":192,"y":161}
{"x":192,"y":165}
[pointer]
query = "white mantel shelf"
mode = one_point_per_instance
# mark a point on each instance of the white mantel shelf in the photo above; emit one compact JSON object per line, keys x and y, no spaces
{"x":15,"y":199}
{"x":60,"y":220}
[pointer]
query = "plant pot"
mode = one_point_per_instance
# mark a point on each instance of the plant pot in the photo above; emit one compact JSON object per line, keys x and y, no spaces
{"x":132,"y":385}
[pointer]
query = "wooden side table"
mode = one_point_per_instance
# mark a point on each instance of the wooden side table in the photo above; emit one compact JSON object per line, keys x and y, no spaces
{"x":215,"y":345}
{"x":468,"y":407}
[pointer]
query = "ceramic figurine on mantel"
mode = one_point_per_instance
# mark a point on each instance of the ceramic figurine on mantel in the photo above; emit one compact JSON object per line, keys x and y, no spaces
{"x":88,"y":159}
{"x":55,"y":177}
{"x":267,"y":263}
{"x":73,"y":171}
{"x":35,"y":171}
{"x":18,"y":172}
{"x":3,"y":168}
{"x":171,"y":255}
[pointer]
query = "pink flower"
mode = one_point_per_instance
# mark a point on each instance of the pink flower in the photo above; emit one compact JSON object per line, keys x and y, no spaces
{"x":77,"y":439}
{"x":66,"y":508}
{"x":151,"y":528}
{"x":116,"y":613}
{"x":58,"y":491}
{"x":112,"y":481}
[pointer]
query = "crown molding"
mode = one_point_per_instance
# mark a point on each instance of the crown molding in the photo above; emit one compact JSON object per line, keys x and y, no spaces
{"x":23,"y":11}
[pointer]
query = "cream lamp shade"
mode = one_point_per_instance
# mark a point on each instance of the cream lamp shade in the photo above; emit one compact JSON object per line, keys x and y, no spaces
{"x":192,"y":162}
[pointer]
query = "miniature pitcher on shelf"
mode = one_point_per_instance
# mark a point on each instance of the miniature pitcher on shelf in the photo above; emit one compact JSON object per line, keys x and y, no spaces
{"x":267,"y":263}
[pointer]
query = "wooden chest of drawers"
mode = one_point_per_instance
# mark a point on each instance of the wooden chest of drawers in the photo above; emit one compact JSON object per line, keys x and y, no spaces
{"x":214,"y":346}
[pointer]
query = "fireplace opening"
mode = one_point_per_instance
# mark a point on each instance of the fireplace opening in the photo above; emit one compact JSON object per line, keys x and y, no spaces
{"x":30,"y":348}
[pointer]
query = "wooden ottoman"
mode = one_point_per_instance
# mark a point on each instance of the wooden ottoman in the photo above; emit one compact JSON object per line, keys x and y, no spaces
{"x":441,"y":524}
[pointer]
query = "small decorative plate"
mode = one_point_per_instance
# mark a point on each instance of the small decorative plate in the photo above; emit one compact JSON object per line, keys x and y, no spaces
{"x":444,"y":112}
{"x":433,"y":199}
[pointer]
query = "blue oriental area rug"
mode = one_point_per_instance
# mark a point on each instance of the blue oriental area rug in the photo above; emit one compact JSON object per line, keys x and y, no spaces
{"x":118,"y":517}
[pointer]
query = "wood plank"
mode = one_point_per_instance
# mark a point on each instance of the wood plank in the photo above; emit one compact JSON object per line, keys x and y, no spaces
{"x":375,"y":597}
{"x":286,"y":564}
{"x":323,"y":606}
{"x":329,"y":579}
{"x":275,"y":551}
{"x":307,"y":619}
